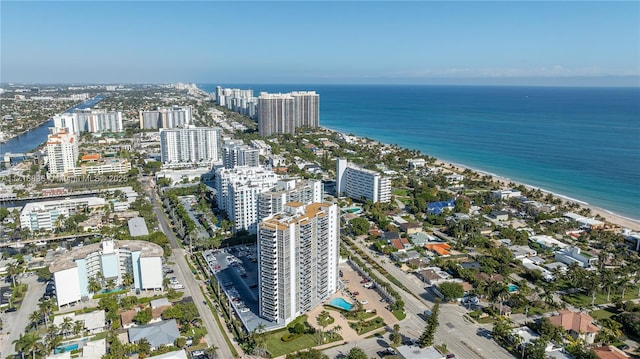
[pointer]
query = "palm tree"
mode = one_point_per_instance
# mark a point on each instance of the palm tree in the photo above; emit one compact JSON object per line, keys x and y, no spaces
{"x":67,"y":326}
{"x":45,"y":309}
{"x":127,"y":279}
{"x":13,"y":269}
{"x":34,"y":318}
{"x":94,"y":285}
{"x":144,"y":347}
{"x":52,"y":342}
{"x":212,"y":351}
{"x":323,"y":320}
{"x":26,"y":343}
{"x":78,"y":327}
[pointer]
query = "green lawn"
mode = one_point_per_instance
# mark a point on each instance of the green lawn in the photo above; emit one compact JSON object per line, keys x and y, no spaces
{"x":399,"y":314}
{"x":399,"y":192}
{"x":370,"y":325}
{"x":582,"y":300}
{"x":602,"y":314}
{"x":277,"y":347}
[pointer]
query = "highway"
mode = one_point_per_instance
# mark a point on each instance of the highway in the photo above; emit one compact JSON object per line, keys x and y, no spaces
{"x":464,"y":338}
{"x":191,"y":285}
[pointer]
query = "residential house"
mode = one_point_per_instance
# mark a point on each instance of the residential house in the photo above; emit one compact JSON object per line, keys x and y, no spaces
{"x":433,"y":276}
{"x":572,"y":255}
{"x":579,"y":325}
{"x":402,"y":256}
{"x":94,"y":322}
{"x":610,"y":352}
{"x":441,"y":249}
{"x":520,"y":252}
{"x":499,"y":215}
{"x":158,"y":334}
{"x":411,"y":228}
{"x":420,"y":238}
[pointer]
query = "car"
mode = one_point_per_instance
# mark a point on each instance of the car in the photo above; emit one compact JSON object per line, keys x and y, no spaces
{"x":356,"y":293}
{"x":623,"y":347}
{"x":364,"y":281}
{"x":9,"y":310}
{"x":364,"y":301}
{"x":244,"y":310}
{"x":235,"y":299}
{"x":450,"y":355}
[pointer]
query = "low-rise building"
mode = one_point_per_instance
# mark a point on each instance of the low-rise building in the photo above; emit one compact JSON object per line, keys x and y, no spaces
{"x":157,"y":334}
{"x":571,"y":255}
{"x":579,"y":325}
{"x":94,"y":322}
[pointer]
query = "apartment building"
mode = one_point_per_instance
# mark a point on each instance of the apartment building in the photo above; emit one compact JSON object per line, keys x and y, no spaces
{"x":237,"y":193}
{"x":359,"y":183}
{"x":235,"y":153}
{"x":191,"y":145}
{"x":44,"y":215}
{"x":283,"y":113}
{"x":166,"y":117}
{"x":62,"y":150}
{"x":107,"y":260}
{"x":297,"y":260}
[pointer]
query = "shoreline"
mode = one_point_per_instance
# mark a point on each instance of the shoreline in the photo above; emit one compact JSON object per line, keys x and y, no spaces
{"x":608,"y":215}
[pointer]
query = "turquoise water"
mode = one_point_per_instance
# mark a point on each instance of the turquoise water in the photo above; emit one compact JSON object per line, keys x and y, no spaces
{"x":513,"y":288}
{"x":583,"y":143}
{"x":352,"y":210}
{"x":66,"y":348}
{"x":341,"y":303}
{"x":105,"y":291}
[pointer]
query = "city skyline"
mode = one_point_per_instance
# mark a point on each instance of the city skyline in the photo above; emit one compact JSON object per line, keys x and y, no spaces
{"x":475,"y":43}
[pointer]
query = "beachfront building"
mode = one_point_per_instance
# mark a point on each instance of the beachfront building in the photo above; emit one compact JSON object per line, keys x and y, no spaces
{"x":238,"y":100}
{"x":288,"y":190}
{"x":297,"y":260}
{"x":106,"y":261}
{"x":62,"y":150}
{"x":236,"y":153}
{"x":237,"y":193}
{"x":504,"y":194}
{"x":359,"y":183}
{"x":283,"y":113}
{"x":166,"y":117}
{"x":191,"y":145}
{"x":47,"y":215}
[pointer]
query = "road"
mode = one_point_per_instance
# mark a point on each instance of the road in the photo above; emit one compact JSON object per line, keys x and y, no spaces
{"x":191,"y":285}
{"x":15,"y":322}
{"x":464,"y":338}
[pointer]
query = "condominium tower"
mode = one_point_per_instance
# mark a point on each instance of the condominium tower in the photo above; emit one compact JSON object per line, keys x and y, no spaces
{"x":90,"y":120}
{"x":359,"y":183}
{"x":283,"y":113}
{"x":62,"y":151}
{"x":190,"y":145}
{"x":236,"y":153}
{"x":237,"y":193}
{"x":166,"y":117}
{"x":297,"y":260}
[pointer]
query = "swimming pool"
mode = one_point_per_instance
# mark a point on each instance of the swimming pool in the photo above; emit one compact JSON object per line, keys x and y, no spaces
{"x":66,"y":348}
{"x":354,"y":210}
{"x":340,"y":303}
{"x":513,"y":288}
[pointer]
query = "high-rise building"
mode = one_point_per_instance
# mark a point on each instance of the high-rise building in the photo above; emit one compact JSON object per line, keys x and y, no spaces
{"x":288,"y":190}
{"x":236,"y":153}
{"x":90,"y":120}
{"x":283,"y":113}
{"x":62,"y":150}
{"x":190,"y":145}
{"x":237,"y":193}
{"x":359,"y":183}
{"x":166,"y":117}
{"x":297,"y":260}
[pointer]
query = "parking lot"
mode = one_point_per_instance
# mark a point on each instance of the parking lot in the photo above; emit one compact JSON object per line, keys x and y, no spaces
{"x":236,"y":269}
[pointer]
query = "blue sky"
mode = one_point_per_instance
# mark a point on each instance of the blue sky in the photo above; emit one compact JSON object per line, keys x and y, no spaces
{"x":428,"y":42}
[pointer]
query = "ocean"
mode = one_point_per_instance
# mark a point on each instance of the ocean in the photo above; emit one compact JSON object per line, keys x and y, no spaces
{"x":581,"y":143}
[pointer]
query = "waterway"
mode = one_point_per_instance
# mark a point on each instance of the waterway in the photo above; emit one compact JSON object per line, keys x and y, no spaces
{"x":35,"y":137}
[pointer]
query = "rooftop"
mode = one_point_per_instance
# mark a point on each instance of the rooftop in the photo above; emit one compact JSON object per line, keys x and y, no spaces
{"x":67,"y":261}
{"x":575,"y":321}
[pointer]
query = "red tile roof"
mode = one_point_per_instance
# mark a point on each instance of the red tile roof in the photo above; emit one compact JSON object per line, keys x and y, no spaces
{"x":576,"y":321}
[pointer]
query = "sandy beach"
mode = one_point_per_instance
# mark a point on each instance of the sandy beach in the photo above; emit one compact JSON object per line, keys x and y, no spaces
{"x":609,"y":217}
